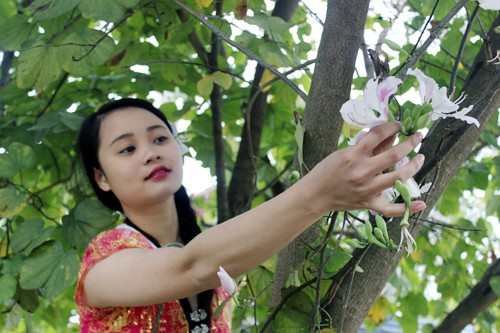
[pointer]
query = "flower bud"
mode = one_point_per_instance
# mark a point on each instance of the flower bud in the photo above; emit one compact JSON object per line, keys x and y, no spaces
{"x":226,"y":281}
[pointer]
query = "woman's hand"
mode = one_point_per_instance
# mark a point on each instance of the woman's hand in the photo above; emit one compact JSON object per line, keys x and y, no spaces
{"x":352,"y":178}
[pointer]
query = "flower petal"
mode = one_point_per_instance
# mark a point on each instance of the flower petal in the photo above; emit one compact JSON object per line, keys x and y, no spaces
{"x":357,"y":113}
{"x":426,"y":85}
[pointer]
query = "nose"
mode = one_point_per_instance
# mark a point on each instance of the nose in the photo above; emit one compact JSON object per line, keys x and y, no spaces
{"x":151,"y":155}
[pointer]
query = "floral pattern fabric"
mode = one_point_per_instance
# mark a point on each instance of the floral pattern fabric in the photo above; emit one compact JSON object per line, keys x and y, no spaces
{"x":139,"y":319}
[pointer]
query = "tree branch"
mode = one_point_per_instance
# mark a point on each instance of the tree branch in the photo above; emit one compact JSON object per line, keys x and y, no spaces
{"x":433,"y":35}
{"x":461,"y":49}
{"x":246,"y":51}
{"x":478,"y":300}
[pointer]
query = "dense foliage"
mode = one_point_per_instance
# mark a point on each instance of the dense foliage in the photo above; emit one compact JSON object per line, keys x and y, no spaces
{"x":61,"y":59}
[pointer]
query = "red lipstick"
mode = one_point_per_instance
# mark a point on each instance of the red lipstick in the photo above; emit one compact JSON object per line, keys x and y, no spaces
{"x":158,"y":173}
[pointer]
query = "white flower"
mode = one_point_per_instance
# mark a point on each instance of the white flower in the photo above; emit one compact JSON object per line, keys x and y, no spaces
{"x":374,"y":109}
{"x":489,"y":4}
{"x":442,"y":106}
{"x":496,"y":58}
{"x":407,"y":240}
{"x":227,"y":282}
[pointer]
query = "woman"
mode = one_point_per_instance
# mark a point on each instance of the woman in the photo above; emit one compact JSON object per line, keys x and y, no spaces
{"x":159,"y":256}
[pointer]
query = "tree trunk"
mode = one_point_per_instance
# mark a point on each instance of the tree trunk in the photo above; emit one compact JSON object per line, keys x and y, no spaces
{"x":446,"y":149}
{"x":331,"y":87}
{"x":241,"y":187}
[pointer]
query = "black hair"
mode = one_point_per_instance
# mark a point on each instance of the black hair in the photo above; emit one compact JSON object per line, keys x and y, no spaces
{"x":88,"y":145}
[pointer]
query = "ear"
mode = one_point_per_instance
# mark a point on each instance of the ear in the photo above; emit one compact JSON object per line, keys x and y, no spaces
{"x":100,"y":179}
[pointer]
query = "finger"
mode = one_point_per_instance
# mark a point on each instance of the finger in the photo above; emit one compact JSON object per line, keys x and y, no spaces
{"x":393,"y":155}
{"x":387,"y":180}
{"x":384,"y":145}
{"x":378,"y":135}
{"x":398,"y":209}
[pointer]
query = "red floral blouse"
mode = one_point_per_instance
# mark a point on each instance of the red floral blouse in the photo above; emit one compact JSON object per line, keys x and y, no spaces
{"x":139,"y":319}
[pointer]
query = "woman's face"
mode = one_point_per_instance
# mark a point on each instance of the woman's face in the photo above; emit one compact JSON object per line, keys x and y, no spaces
{"x":140,"y":159}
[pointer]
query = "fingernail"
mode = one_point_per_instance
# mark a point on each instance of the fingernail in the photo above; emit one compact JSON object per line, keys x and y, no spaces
{"x":420,"y":206}
{"x":420,"y":159}
{"x":420,"y":136}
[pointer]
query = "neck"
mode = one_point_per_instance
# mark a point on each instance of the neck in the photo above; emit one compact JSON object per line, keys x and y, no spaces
{"x":160,"y":220}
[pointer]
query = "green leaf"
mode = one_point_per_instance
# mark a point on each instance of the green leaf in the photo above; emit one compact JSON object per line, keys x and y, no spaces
{"x":64,"y":274}
{"x":47,"y":9}
{"x":395,"y":46}
{"x":7,"y":287}
{"x":38,"y":67}
{"x":106,"y":10}
{"x":95,"y":213}
{"x":50,"y":267}
{"x":222,"y":79}
{"x":15,"y":31}
{"x":205,"y":86}
{"x":73,"y":121}
{"x":29,"y":235}
{"x":296,"y":313}
{"x":272,"y":54}
{"x":82,"y":51}
{"x":48,"y":120}
{"x":12,"y":201}
{"x":77,"y":233}
{"x":27,"y":299}
{"x":495,"y":285}
{"x":17,"y":157}
{"x":36,"y":269}
{"x":7,"y":9}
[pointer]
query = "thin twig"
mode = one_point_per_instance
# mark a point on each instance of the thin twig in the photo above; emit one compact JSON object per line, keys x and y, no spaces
{"x":58,"y":88}
{"x":433,"y":35}
{"x":247,"y":52}
{"x":451,"y":226}
{"x":461,"y":50}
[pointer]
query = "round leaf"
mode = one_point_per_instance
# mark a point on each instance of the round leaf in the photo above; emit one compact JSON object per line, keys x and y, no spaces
{"x":48,"y":9}
{"x":36,"y":269}
{"x":38,"y":67}
{"x":17,"y":157}
{"x":23,"y":234}
{"x":82,"y":51}
{"x":93,"y":212}
{"x":205,"y":86}
{"x":222,"y":79}
{"x":11,"y":201}
{"x":7,"y":287}
{"x":15,"y":31}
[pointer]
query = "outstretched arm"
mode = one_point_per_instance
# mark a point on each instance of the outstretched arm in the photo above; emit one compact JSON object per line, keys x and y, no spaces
{"x":348,"y":179}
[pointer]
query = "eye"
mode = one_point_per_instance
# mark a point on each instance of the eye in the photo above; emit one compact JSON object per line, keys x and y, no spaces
{"x":127,"y":150}
{"x":160,"y":139}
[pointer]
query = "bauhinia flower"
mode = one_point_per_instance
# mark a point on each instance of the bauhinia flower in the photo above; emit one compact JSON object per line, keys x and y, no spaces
{"x":489,"y":4}
{"x":442,"y":106}
{"x":226,"y":281}
{"x":374,"y":109}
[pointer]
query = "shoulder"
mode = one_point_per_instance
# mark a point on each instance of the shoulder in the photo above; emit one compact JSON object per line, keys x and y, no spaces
{"x":114,"y":240}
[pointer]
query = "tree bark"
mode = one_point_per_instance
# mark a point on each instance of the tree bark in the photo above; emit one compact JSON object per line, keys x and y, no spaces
{"x":478,"y":300}
{"x":331,"y":87}
{"x":241,"y":187}
{"x":447,"y":147}
{"x":216,"y":107}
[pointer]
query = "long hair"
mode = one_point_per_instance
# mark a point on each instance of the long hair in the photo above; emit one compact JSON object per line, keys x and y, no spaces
{"x":88,"y":145}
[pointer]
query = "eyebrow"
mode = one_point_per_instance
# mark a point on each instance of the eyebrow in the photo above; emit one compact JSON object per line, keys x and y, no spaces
{"x":128,"y":135}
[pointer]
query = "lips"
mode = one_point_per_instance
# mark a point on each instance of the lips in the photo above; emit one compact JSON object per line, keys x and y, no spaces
{"x":158,"y":172}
